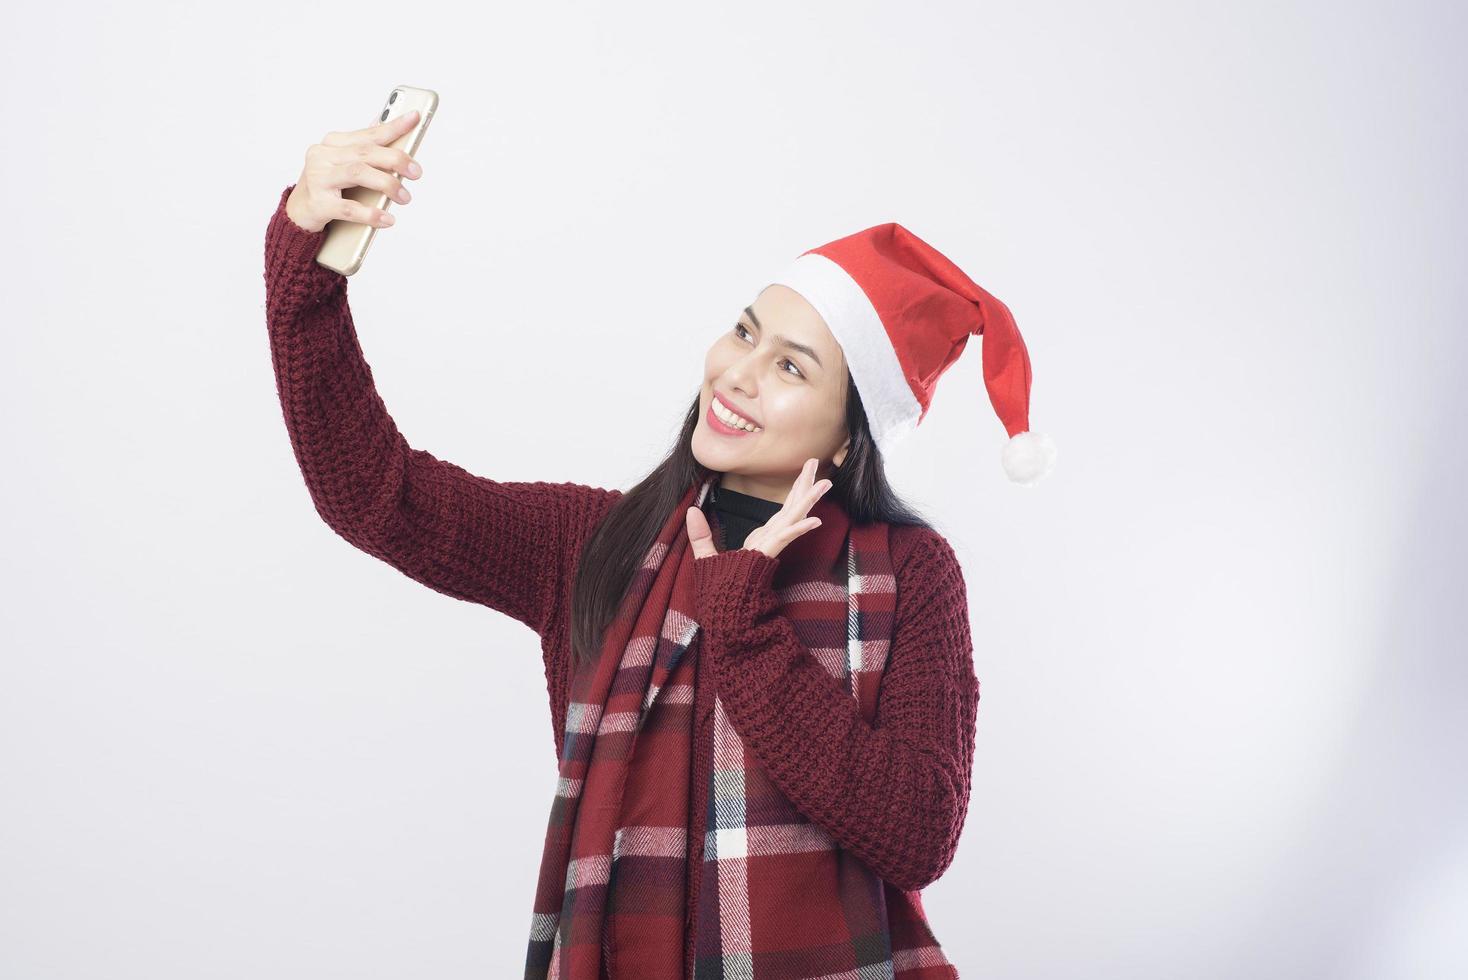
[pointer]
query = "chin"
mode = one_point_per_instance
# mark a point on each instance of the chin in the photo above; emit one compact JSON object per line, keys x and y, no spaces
{"x":711,"y":452}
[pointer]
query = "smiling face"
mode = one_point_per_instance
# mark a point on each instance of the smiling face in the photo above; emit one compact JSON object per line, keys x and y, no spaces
{"x":779,"y":368}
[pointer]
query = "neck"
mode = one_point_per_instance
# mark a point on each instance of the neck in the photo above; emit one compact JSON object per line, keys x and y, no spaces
{"x":773,"y":490}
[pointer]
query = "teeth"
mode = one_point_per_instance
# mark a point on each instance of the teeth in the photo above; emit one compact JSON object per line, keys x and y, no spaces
{"x":729,"y":418}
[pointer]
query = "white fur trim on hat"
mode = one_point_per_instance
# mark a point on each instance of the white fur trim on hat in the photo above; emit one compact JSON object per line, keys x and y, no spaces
{"x":892,"y":409}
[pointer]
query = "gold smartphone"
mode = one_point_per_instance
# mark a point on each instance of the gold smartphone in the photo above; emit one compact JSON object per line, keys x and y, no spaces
{"x":346,"y":242}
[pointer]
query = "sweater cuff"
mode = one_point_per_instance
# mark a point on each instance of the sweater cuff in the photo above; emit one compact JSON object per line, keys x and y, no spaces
{"x":291,"y":250}
{"x":734,"y":589}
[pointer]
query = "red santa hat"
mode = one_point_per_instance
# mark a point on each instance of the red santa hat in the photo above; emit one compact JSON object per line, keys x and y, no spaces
{"x":902,"y":313}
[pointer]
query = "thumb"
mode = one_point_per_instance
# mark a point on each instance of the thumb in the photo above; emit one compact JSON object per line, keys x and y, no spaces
{"x":700,"y":535}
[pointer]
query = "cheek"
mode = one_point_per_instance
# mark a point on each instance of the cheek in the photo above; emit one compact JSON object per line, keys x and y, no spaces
{"x":802,"y":411}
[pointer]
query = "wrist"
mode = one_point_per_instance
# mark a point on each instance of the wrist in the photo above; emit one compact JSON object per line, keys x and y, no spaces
{"x":734,"y":588}
{"x":295,"y":210}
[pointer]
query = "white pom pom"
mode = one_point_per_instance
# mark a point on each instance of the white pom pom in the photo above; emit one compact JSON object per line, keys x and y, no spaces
{"x":1028,"y":458}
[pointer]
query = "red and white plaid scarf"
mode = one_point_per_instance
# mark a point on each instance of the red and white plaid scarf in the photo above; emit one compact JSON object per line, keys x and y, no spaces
{"x":778,"y":897}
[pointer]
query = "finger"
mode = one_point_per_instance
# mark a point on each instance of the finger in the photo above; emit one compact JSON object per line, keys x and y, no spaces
{"x":798,"y":489}
{"x":346,"y":209}
{"x":390,"y":129}
{"x":700,"y":536}
{"x":389,"y":159}
{"x":808,"y":472}
{"x":371,"y":144}
{"x":781,"y":540}
{"x":800,"y":527}
{"x":818,"y":491}
{"x":814,"y":493}
{"x":379,"y":132}
{"x":354,"y":171}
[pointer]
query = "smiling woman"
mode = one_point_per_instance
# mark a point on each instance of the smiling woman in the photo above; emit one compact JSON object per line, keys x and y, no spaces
{"x":780,"y":370}
{"x":789,"y":384}
{"x":821,"y":651}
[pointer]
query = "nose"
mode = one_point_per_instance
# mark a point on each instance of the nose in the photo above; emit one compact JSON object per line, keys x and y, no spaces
{"x":740,"y":375}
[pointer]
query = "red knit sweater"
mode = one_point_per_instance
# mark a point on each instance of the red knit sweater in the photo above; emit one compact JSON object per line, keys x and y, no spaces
{"x":894,"y":793}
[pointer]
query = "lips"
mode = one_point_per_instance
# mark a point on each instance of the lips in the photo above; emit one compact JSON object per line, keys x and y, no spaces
{"x":738,"y":411}
{"x":719,"y":427}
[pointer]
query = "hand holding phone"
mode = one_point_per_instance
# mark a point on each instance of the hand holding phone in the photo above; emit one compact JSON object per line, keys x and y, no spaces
{"x":349,"y":178}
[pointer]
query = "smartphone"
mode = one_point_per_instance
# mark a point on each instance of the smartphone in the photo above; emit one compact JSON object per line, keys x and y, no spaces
{"x":346,"y":242}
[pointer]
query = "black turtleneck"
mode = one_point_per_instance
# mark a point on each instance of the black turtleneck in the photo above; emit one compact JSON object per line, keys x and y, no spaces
{"x":738,"y":514}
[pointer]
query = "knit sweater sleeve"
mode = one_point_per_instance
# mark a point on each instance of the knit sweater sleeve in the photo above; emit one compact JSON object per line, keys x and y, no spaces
{"x":895,"y":793}
{"x":508,"y":546}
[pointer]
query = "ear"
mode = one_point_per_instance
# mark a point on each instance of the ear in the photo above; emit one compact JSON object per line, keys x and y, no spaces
{"x":841,"y":453}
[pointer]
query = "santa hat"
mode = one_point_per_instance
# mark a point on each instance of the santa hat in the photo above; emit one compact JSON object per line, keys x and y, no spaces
{"x":902,"y":313}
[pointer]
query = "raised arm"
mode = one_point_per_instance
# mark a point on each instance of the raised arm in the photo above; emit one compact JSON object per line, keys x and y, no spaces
{"x":508,"y":546}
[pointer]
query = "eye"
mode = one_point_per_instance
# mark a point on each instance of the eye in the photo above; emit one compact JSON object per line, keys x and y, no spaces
{"x":741,"y":331}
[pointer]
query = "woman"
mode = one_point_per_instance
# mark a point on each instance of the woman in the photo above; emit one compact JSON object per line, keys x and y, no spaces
{"x":759,"y":663}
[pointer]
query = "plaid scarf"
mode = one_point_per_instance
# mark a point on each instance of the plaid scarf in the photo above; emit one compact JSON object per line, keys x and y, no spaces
{"x":778,"y":898}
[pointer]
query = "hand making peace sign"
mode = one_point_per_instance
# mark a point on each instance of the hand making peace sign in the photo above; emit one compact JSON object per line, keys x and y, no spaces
{"x":772,"y":537}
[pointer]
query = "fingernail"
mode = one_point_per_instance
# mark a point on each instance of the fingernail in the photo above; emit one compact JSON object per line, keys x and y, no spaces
{"x":414,"y":170}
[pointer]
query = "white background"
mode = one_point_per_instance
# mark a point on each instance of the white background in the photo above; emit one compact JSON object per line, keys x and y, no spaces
{"x":1221,"y":648}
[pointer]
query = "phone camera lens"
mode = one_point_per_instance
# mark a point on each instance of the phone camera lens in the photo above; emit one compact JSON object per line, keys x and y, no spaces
{"x":383,"y":117}
{"x":392,"y":98}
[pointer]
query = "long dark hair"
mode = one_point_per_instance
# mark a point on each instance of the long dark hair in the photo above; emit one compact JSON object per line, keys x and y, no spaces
{"x":620,"y":542}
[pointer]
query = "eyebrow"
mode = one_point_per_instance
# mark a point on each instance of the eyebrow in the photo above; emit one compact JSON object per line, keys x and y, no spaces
{"x":786,"y":341}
